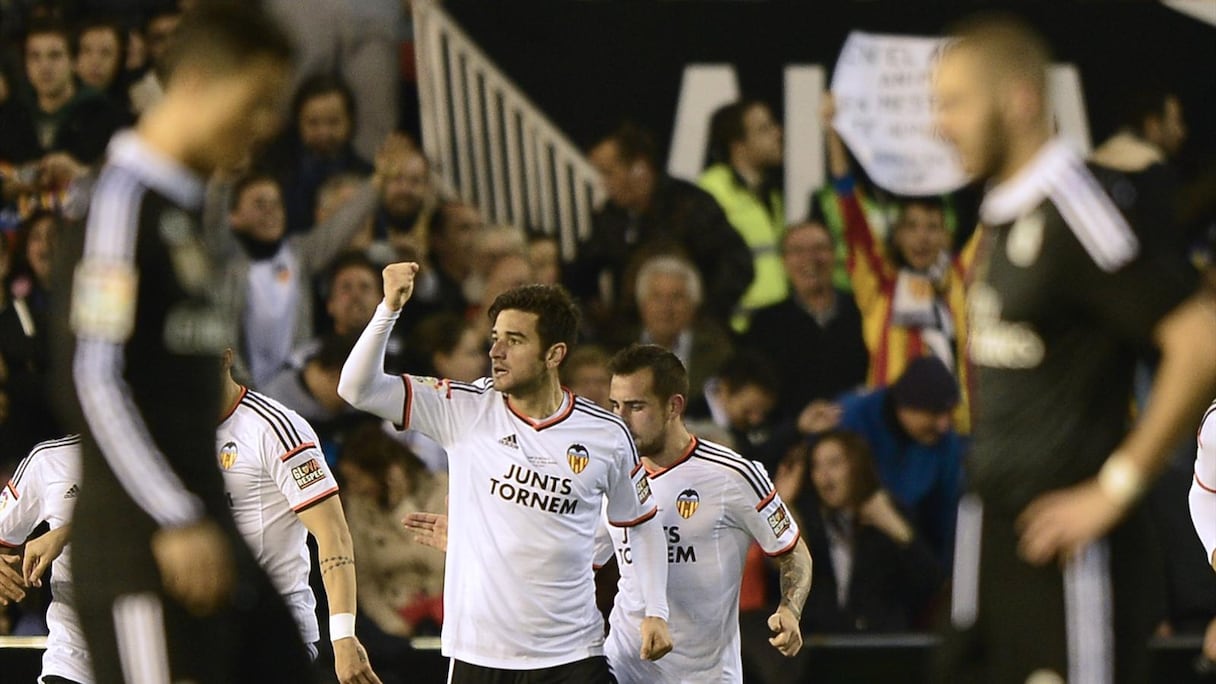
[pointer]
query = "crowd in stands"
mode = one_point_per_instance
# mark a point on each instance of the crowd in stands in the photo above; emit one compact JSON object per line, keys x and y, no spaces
{"x":830,"y":349}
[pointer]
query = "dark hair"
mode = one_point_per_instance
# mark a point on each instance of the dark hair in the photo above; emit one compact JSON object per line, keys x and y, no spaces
{"x":667,"y":372}
{"x":863,"y":473}
{"x":809,"y":223}
{"x":247,"y":181}
{"x":334,"y":350}
{"x":557,"y":317}
{"x":104,"y":24}
{"x":323,"y":84}
{"x":726,"y":127}
{"x":51,"y":27}
{"x":1144,"y":103}
{"x":748,"y":368}
{"x":223,"y":36}
{"x":347,"y":260}
{"x":1008,"y":41}
{"x":633,"y":143}
{"x":19,"y":264}
{"x":374,"y":452}
{"x":438,"y":333}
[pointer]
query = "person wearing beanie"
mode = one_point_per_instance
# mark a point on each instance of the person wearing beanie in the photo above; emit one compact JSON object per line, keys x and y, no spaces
{"x":909,"y":427}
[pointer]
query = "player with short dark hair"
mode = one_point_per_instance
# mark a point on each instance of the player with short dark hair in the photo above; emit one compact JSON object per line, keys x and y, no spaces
{"x":1052,"y":580}
{"x":532,"y":468}
{"x":168,"y":591}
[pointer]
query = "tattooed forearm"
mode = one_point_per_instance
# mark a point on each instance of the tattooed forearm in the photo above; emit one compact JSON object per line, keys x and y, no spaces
{"x":333,"y":562}
{"x":795,"y":578}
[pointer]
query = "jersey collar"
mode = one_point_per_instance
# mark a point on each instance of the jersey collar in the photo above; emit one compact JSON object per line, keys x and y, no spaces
{"x":692,"y":446}
{"x":1017,"y":196}
{"x":232,"y":409}
{"x":563,"y":412}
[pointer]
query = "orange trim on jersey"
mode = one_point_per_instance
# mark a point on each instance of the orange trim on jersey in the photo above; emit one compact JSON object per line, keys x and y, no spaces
{"x":409,"y":403}
{"x":760,"y":506}
{"x":316,"y":499}
{"x":12,"y":489}
{"x":1201,"y":484}
{"x":683,"y":457}
{"x":787,"y":549}
{"x":293,"y":452}
{"x":636,"y":468}
{"x":636,"y":521}
{"x":569,"y":398}
{"x":232,"y":410}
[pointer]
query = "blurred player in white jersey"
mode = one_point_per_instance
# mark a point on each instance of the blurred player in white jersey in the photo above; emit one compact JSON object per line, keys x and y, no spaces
{"x":530,"y":467}
{"x":280,"y":490}
{"x":712,"y":504}
{"x":1203,"y":505}
{"x":44,"y":489}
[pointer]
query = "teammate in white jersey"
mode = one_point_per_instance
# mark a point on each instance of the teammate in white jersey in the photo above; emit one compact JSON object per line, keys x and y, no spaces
{"x":530,"y":466}
{"x":1203,"y":505}
{"x":712,"y":503}
{"x":280,"y":489}
{"x":44,"y":488}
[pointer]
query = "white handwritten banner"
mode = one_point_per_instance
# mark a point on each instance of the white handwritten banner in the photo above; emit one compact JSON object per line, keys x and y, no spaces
{"x":884,"y":113}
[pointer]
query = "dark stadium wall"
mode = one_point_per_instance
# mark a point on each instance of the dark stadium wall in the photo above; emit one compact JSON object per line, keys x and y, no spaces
{"x":589,"y":63}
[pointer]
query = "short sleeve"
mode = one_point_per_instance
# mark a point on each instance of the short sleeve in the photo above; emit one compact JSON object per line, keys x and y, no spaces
{"x":629,"y":499}
{"x":755,"y":505}
{"x":298,"y":467}
{"x":442,"y":409}
{"x":21,"y":504}
{"x":1205,"y":455}
{"x":1129,"y":298}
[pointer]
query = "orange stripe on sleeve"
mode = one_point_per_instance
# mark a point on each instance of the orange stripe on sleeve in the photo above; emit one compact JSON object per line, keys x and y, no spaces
{"x":789,"y":547}
{"x":1202,"y":485}
{"x":771,"y":495}
{"x":303,"y":447}
{"x":316,"y":499}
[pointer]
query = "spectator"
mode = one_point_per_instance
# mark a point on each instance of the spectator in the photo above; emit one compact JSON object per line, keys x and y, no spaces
{"x":814,"y":336}
{"x":268,"y":274}
{"x":24,"y":348}
{"x":910,"y":290}
{"x":407,"y":199}
{"x":919,"y":455}
{"x":448,"y":346}
{"x":157,"y":34}
{"x":490,"y":247}
{"x":739,"y":399}
{"x":1137,"y":166}
{"x":648,"y":212}
{"x":669,"y":296}
{"x":318,"y":146}
{"x":874,"y":572}
{"x":335,"y":193}
{"x":746,"y":151}
{"x":101,"y":47}
{"x":511,"y":270}
{"x":545,"y":255}
{"x":586,"y":373}
{"x":400,"y":580}
{"x":61,"y":123}
{"x":449,"y":253}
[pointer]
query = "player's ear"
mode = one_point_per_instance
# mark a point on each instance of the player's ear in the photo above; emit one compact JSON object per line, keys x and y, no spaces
{"x":556,"y":354}
{"x":676,"y":404}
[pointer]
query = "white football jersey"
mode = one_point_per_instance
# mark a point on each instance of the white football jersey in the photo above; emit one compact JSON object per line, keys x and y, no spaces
{"x":273,"y":469}
{"x":1203,"y":485}
{"x":44,"y":487}
{"x":525,"y":500}
{"x":712,"y":503}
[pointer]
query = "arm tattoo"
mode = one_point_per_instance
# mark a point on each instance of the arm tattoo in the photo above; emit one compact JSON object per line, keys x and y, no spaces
{"x":333,"y":562}
{"x":795,"y":578}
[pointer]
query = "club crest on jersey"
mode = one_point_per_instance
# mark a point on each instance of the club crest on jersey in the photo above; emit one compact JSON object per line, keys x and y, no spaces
{"x":1025,"y":240}
{"x":578,"y":457}
{"x":687,"y":502}
{"x":228,"y":455}
{"x":779,"y":520}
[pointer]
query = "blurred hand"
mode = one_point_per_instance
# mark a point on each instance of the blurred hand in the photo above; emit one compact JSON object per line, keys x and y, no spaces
{"x":429,"y":529}
{"x":12,"y":585}
{"x":787,"y":635}
{"x":880,"y":511}
{"x":1059,"y":524}
{"x":827,"y":110}
{"x":399,"y":284}
{"x":656,"y":639}
{"x":57,"y":169}
{"x":351,"y":663}
{"x":196,"y":565}
{"x":791,"y":473}
{"x":1209,"y":641}
{"x":818,"y":417}
{"x":41,"y":552}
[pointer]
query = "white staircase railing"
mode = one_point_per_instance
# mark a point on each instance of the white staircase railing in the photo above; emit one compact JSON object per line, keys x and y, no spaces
{"x":490,"y":143}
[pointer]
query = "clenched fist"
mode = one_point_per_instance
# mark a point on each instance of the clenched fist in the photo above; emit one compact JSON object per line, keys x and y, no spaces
{"x":399,"y":284}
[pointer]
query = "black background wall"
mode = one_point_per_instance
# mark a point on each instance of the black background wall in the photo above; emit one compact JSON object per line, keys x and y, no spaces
{"x":590,"y":63}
